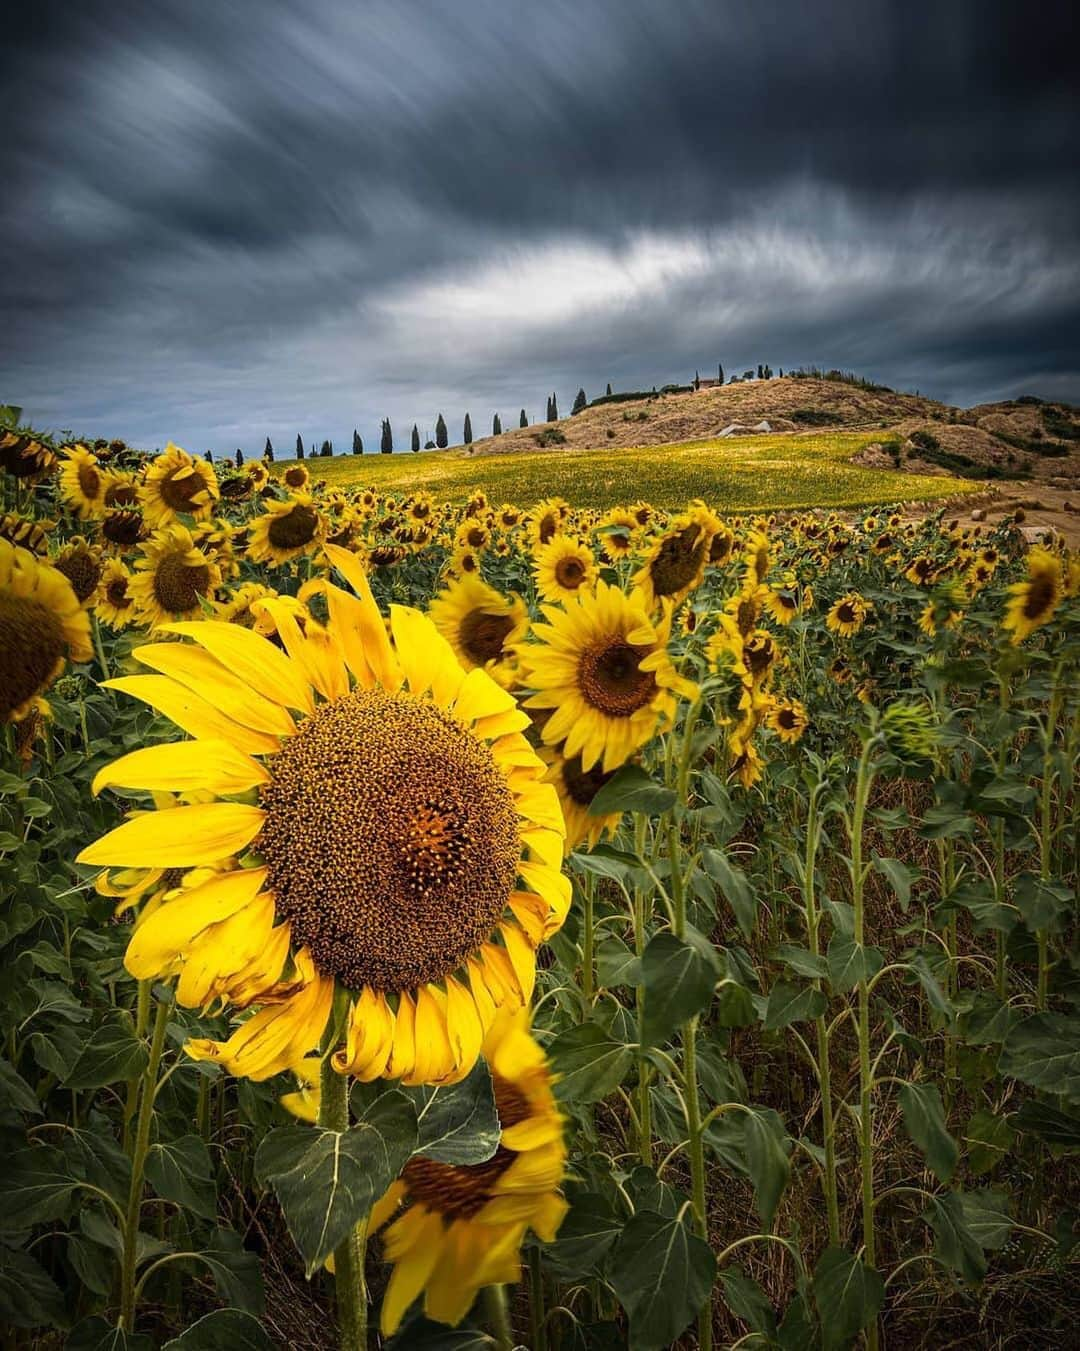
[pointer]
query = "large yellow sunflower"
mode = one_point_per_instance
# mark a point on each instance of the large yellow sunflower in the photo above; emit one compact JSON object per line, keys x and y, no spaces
{"x":373,"y":818}
{"x":285,"y":530}
{"x":42,"y":624}
{"x":172,"y":578}
{"x":601,"y":664}
{"x":675,"y":564}
{"x":465,"y":1223}
{"x":563,"y":566}
{"x":481,"y":625}
{"x":115,"y":605}
{"x":1035,"y":599}
{"x":848,"y":615}
{"x":177,"y":484}
{"x":83,"y":483}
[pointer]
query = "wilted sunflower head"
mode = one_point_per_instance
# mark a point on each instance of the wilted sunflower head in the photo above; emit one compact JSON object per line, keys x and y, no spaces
{"x":175,"y":485}
{"x":25,"y":457}
{"x":120,"y":490}
{"x":42,"y":625}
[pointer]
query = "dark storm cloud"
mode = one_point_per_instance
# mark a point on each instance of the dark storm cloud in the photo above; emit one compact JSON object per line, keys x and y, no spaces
{"x":225,"y":220}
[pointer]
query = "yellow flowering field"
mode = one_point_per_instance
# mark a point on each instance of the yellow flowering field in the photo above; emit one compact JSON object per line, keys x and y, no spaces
{"x":546,"y":901}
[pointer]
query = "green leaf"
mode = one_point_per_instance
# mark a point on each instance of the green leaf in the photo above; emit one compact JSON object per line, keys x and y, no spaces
{"x":458,"y":1123}
{"x":789,"y":1003}
{"x":848,"y":1295}
{"x":679,"y":978}
{"x":1044,"y":1052}
{"x":421,"y":1334}
{"x":587,"y":1234}
{"x":606,"y":861}
{"x":29,"y":1297}
{"x":851,"y":962}
{"x":237,"y":1273}
{"x":1049,"y":1124}
{"x":112,"y":1053}
{"x":589,"y":1062}
{"x":735,"y":887}
{"x":988,"y":1218}
{"x":988,"y":1139}
{"x":924,"y":1117}
{"x":1043,"y":904}
{"x":616,"y":964}
{"x":95,"y":1334}
{"x":801,"y":960}
{"x":327,"y":1181}
{"x":900,"y":877}
{"x":35,"y":1187}
{"x":662,"y":1273}
{"x":766,"y":1148}
{"x":632,"y":790}
{"x":15,"y":1092}
{"x":181,"y":1171}
{"x":223,"y":1330}
{"x":955,"y":1244}
{"x":746,"y":1300}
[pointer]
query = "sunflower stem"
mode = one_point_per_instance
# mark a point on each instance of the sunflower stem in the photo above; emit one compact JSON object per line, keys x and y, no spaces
{"x":588,"y":985}
{"x":99,"y":647}
{"x":350,"y":1285}
{"x":499,"y":1316}
{"x":129,"y":1254}
{"x":537,"y":1321}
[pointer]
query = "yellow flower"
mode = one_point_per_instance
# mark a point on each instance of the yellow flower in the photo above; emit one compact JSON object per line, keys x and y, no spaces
{"x":115,"y":605}
{"x":172,"y":578}
{"x":546,"y":519}
{"x":787,"y":718}
{"x":1036,"y":598}
{"x":175,"y":485}
{"x":81,"y":564}
{"x":42,"y":625}
{"x":617,"y":529}
{"x":23,"y":534}
{"x":757,"y":557}
{"x":372,"y":816}
{"x":481,"y":625}
{"x":675,"y":564}
{"x":577,"y":788}
{"x":465,"y":1223}
{"x":782,"y":603}
{"x":601,"y":663}
{"x":563,"y":566}
{"x":285,"y":530}
{"x":83,"y":483}
{"x":848,"y":615}
{"x":295,"y":477}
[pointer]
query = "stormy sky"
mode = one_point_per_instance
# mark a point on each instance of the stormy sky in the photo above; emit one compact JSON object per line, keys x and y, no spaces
{"x":223,"y":221}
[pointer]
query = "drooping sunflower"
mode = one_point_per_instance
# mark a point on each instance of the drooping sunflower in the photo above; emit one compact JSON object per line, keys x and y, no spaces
{"x":172,"y":577}
{"x":577,"y":788}
{"x":80,"y":562}
{"x":25,"y":457}
{"x":83,"y":483}
{"x":481,"y":625}
{"x":465,"y":1223}
{"x":921,"y":571}
{"x":285,"y":530}
{"x":373,"y":818}
{"x":563,"y":566}
{"x":782,"y":603}
{"x":24,"y":534}
{"x":122,"y":530}
{"x":121,"y":490}
{"x":617,"y":529}
{"x":601,"y":663}
{"x":237,"y":609}
{"x":115,"y":605}
{"x":757,"y":556}
{"x":42,"y":625}
{"x":848,"y":615}
{"x":675,"y":564}
{"x":177,"y":484}
{"x":1034,"y":600}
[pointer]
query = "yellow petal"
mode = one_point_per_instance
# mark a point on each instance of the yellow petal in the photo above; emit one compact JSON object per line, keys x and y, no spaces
{"x":173,"y":927}
{"x":184,"y":767}
{"x":434,"y":1062}
{"x":403,"y":1053}
{"x":203,"y":674}
{"x":377,"y":649}
{"x":464,"y":1028}
{"x":369,"y":1040}
{"x":522,"y":956}
{"x":413,"y":1265}
{"x":193,"y":713}
{"x":182,"y":837}
{"x":254,"y":659}
{"x":480,"y":697}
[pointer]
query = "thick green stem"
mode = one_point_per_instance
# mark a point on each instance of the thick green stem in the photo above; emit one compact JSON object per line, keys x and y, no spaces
{"x":1046,"y":830}
{"x":499,"y":1317}
{"x":863,"y":781}
{"x":588,"y":921}
{"x":129,"y":1254}
{"x":643,"y":1067}
{"x":142,"y":1022}
{"x":350,"y":1285}
{"x":813,"y":921}
{"x":537,"y":1318}
{"x":697,"y":1164}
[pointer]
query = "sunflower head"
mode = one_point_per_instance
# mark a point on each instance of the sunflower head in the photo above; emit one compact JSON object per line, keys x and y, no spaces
{"x":676,"y":563}
{"x":285,"y":530}
{"x":176,"y":485}
{"x":42,"y":625}
{"x":1033,"y":601}
{"x":563,"y":566}
{"x":24,"y":534}
{"x":80,"y":562}
{"x":481,"y":625}
{"x":173,"y":577}
{"x":115,"y":605}
{"x":83,"y":483}
{"x":25,"y":457}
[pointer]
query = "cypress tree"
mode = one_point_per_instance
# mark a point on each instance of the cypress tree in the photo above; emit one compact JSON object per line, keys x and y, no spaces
{"x":299,"y":447}
{"x":240,"y":455}
{"x":357,"y":443}
{"x":268,"y":453}
{"x":386,"y":441}
{"x":210,"y":457}
{"x":496,"y":425}
{"x":324,"y":449}
{"x":467,"y":438}
{"x":579,"y":401}
{"x":415,"y":438}
{"x":609,"y":390}
{"x":440,"y":432}
{"x":523,"y":421}
{"x":697,"y":379}
{"x":719,"y":375}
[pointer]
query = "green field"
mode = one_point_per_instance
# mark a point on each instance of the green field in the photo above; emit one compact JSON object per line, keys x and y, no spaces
{"x":749,"y":474}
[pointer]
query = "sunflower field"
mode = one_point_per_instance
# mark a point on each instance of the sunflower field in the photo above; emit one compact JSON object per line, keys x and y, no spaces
{"x":529,"y":924}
